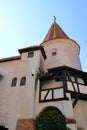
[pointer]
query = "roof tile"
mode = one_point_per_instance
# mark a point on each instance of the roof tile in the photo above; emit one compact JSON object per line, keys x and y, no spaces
{"x":55,"y":32}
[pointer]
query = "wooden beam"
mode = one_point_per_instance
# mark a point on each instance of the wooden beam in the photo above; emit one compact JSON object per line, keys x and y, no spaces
{"x":78,"y":94}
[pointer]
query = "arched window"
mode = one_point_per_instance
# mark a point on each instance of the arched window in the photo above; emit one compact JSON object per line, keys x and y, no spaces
{"x":14,"y":82}
{"x":23,"y":81}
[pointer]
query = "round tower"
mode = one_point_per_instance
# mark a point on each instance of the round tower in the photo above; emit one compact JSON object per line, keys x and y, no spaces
{"x":60,"y":49}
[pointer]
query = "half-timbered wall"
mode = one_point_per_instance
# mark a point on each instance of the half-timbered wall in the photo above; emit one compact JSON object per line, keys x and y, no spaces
{"x":51,"y":90}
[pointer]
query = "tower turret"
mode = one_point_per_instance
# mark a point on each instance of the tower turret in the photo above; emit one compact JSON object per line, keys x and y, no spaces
{"x":64,"y":86}
{"x":60,"y":49}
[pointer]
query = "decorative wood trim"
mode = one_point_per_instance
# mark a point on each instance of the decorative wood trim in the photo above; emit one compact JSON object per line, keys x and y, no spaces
{"x":60,"y":73}
{"x":56,"y":69}
{"x":64,"y":83}
{"x":52,"y":88}
{"x":51,"y":100}
{"x":46,"y":94}
{"x":52,"y":94}
{"x":77,"y":93}
{"x":48,"y":90}
{"x":81,"y":96}
{"x":69,"y":77}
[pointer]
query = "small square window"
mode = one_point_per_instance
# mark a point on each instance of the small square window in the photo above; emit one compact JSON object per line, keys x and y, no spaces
{"x":54,"y":53}
{"x":30,"y":54}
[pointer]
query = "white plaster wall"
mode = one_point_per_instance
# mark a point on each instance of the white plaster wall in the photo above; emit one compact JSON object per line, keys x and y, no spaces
{"x":72,"y":126}
{"x":67,"y":53}
{"x":52,"y":84}
{"x":9,"y":107}
{"x":18,"y":102}
{"x":80,"y":112}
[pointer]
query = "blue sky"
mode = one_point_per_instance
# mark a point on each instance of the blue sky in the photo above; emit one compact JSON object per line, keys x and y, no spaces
{"x":25,"y":23}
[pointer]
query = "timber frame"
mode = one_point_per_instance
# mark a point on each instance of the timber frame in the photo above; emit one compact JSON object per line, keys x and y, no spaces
{"x":69,"y":77}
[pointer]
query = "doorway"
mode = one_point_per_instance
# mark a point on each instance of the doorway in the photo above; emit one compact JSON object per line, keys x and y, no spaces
{"x":51,"y":118}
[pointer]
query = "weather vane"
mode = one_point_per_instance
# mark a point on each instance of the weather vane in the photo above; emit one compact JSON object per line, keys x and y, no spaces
{"x":54,"y":18}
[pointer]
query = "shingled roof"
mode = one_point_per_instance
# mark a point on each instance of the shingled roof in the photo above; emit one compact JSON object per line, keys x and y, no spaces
{"x":55,"y":32}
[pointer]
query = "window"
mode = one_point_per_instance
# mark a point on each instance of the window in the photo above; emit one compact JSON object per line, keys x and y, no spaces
{"x":54,"y":52}
{"x":23,"y":81}
{"x":14,"y":82}
{"x":30,"y":54}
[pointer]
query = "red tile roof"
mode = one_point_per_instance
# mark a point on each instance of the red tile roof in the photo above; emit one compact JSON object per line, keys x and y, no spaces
{"x":55,"y":32}
{"x":10,"y":58}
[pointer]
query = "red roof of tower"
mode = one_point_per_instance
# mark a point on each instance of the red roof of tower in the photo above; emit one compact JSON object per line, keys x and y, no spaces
{"x":55,"y":32}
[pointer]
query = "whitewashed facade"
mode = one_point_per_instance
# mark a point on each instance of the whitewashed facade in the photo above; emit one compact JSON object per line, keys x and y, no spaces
{"x":46,"y":75}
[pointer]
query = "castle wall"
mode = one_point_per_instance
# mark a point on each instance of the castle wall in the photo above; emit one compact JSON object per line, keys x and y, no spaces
{"x":20,"y":103}
{"x":17,"y":102}
{"x":81,"y":115}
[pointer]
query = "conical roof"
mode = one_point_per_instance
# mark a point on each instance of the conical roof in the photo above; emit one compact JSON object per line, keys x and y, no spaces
{"x":55,"y":32}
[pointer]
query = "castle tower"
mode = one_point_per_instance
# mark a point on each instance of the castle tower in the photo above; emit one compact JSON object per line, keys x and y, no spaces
{"x":64,"y":84}
{"x":60,"y":49}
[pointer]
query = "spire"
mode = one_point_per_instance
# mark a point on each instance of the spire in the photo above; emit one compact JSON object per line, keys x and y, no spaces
{"x":54,"y":18}
{"x":55,"y":32}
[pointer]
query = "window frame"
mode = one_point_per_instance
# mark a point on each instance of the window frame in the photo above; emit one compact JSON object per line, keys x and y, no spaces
{"x":30,"y":54}
{"x":23,"y":81}
{"x":14,"y":82}
{"x":54,"y":52}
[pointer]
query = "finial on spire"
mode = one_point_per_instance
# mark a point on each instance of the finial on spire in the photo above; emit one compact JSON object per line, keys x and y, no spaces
{"x":54,"y":18}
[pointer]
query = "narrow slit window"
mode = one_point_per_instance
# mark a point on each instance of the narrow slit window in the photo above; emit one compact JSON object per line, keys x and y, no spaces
{"x":14,"y":82}
{"x":23,"y":81}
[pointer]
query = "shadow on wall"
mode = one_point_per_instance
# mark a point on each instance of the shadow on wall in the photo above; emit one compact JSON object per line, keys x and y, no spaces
{"x":1,"y":77}
{"x":80,"y":129}
{"x":3,"y":128}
